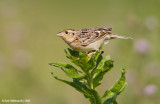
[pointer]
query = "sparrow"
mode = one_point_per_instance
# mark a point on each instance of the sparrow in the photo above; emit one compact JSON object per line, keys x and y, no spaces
{"x":90,"y":39}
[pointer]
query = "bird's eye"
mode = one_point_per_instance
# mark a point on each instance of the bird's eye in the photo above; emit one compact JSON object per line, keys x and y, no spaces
{"x":66,"y":32}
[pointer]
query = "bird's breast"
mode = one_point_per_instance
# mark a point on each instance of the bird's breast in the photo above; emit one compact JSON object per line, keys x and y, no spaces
{"x":92,"y":46}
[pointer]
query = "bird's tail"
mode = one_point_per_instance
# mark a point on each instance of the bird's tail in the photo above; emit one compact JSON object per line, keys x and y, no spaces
{"x":114,"y":36}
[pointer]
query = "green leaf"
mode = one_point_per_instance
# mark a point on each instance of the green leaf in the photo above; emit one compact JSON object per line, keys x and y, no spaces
{"x":78,"y":87}
{"x":98,"y":58}
{"x":73,"y":56}
{"x":111,"y":100}
{"x":73,"y":53}
{"x":96,"y":97}
{"x":92,"y":95}
{"x":104,"y":66}
{"x":82,"y":59}
{"x":119,"y":86}
{"x":94,"y":61}
{"x":67,"y":68}
{"x":98,"y":78}
{"x":77,"y":58}
{"x":89,"y":65}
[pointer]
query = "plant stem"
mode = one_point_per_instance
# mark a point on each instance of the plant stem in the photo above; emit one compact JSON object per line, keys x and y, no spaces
{"x":89,"y":80}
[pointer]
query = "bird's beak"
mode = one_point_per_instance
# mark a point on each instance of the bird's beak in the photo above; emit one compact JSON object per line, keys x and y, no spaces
{"x":59,"y":34}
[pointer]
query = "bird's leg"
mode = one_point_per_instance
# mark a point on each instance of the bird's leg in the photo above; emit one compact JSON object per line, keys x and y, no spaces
{"x":90,"y":53}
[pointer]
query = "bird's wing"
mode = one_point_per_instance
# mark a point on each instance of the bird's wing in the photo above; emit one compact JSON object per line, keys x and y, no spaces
{"x":88,"y":36}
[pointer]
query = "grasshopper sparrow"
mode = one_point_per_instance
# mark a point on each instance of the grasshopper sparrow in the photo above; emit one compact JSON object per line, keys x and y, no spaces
{"x":87,"y":40}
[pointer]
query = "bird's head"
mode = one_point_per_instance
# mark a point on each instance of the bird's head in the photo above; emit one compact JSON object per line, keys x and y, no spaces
{"x":67,"y":35}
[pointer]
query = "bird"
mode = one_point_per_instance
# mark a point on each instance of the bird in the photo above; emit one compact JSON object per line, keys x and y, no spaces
{"x":88,"y":39}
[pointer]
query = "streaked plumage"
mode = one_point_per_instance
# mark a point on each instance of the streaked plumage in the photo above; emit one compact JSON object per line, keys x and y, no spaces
{"x":86,"y":40}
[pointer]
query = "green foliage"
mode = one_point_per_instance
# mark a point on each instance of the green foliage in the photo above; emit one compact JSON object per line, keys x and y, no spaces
{"x":118,"y":88}
{"x":93,"y":68}
{"x":68,"y":69}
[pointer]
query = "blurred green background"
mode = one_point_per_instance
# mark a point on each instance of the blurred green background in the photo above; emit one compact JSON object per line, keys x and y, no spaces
{"x":28,"y":42}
